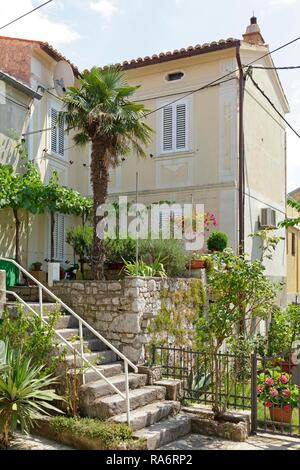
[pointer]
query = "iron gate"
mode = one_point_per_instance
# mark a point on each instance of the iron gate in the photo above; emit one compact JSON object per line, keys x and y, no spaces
{"x":244,"y":382}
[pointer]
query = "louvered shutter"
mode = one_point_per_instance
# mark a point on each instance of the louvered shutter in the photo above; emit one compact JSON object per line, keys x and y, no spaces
{"x":61,"y":140}
{"x":181,"y":126}
{"x":59,"y":238}
{"x":53,"y":125}
{"x":168,"y":129}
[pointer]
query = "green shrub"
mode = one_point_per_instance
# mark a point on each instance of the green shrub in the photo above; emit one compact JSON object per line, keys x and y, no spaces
{"x":144,"y":270}
{"x":217,"y":241}
{"x":81,"y":239}
{"x":109,"y":433}
{"x":284,"y":331}
{"x":118,"y":250}
{"x":25,"y":396}
{"x":29,"y":333}
{"x":172,"y":253}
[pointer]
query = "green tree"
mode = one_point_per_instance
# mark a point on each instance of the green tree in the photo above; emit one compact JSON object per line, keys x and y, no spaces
{"x":290,"y":222}
{"x":102,"y":113}
{"x":20,"y":191}
{"x":62,"y":200}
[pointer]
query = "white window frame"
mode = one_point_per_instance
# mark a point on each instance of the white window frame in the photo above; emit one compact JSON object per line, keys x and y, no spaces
{"x":60,"y":240}
{"x":175,"y":150}
{"x":57,"y":107}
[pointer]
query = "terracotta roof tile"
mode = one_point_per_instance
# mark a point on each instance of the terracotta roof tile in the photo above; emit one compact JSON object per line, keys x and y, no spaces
{"x":180,"y":54}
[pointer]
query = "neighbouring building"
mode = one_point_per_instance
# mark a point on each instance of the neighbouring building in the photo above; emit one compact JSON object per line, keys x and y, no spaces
{"x":28,"y":108}
{"x":224,"y":146}
{"x":293,"y":252}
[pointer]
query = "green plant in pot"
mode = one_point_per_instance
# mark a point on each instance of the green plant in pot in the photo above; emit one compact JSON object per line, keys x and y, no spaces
{"x":37,"y":266}
{"x":277,"y":392}
{"x":118,"y":250}
{"x":217,"y":242}
{"x":80,"y":238}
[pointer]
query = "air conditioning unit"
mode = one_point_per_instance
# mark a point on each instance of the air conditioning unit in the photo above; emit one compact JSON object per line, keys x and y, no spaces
{"x":268,"y":218}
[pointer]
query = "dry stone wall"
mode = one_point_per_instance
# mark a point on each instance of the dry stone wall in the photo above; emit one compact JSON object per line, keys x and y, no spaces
{"x":120,"y":310}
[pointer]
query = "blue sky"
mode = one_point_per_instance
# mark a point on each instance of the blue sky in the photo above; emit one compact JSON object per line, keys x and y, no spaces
{"x":98,"y":32}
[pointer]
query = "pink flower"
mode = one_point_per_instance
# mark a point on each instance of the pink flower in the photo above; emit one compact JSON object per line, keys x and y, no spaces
{"x":283,"y":379}
{"x":287,"y":408}
{"x":274,"y":392}
{"x":260,"y":389}
{"x":268,"y":404}
{"x":286,"y":393}
{"x":269,"y":382}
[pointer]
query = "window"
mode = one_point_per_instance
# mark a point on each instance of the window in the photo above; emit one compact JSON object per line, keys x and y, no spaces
{"x":175,"y":127}
{"x":57,"y":134}
{"x":172,"y":77}
{"x":59,"y":238}
{"x":293,"y":244}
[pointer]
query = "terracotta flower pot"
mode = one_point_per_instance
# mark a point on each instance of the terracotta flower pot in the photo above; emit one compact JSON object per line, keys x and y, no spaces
{"x":279,"y":415}
{"x":198,"y":264}
{"x":116,"y":266}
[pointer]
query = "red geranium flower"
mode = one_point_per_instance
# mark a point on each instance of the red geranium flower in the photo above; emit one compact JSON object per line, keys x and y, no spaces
{"x":260,"y":389}
{"x":283,"y":379}
{"x":286,"y":393}
{"x":269,"y":382}
{"x":268,"y":404}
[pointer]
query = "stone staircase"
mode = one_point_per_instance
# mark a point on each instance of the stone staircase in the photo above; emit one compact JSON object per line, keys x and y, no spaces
{"x":153,"y":417}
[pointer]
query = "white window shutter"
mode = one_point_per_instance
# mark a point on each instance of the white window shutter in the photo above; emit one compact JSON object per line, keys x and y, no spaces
{"x":61,"y":140}
{"x":53,"y":125}
{"x":59,"y":238}
{"x":168,"y":129}
{"x":181,"y":126}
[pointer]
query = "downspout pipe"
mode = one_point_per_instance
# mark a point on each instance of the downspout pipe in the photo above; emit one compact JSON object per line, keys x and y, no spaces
{"x":242,"y":83}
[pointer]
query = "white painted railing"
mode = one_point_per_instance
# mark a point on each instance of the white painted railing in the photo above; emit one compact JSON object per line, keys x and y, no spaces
{"x":82,"y":323}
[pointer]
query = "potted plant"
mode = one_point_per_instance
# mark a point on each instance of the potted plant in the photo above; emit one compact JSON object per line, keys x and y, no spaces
{"x":217,"y":242}
{"x":276,"y":391}
{"x":37,"y":266}
{"x":118,"y":250}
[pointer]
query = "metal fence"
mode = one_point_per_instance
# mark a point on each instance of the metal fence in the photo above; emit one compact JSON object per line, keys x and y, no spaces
{"x":238,"y":382}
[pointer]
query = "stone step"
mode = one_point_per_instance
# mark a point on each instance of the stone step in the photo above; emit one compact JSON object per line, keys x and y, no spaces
{"x":149,"y":414}
{"x":13,"y":308}
{"x":97,"y":358}
{"x":113,"y":405}
{"x":90,"y":392}
{"x":167,"y":431}
{"x":68,"y":333}
{"x":108,"y":370}
{"x":90,"y":345}
{"x":65,"y":322}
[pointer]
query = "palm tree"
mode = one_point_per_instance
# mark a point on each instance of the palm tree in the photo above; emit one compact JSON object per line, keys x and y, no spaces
{"x":101,"y":112}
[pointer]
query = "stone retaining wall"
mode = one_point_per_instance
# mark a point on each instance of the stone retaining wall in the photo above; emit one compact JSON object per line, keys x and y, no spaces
{"x":120,"y":310}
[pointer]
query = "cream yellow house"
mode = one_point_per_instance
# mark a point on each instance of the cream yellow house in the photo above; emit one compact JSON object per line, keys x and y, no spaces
{"x":223,"y":146}
{"x":293,"y":253}
{"x":28,"y":109}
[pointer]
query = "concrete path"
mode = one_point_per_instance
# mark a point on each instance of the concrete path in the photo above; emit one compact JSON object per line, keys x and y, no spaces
{"x":197,"y":442}
{"x":30,"y":442}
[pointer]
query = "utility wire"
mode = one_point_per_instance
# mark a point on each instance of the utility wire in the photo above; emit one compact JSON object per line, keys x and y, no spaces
{"x":214,"y":82}
{"x":272,"y":104}
{"x":225,"y":76}
{"x":25,"y":14}
{"x":291,"y":67}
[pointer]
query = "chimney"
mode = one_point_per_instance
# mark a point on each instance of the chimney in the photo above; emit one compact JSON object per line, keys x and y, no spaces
{"x":253,"y":34}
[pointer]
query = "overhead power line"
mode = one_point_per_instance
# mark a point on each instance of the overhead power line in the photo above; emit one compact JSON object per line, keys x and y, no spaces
{"x":25,"y":14}
{"x":273,"y":105}
{"x":210,"y":84}
{"x":291,"y":67}
{"x":225,"y":76}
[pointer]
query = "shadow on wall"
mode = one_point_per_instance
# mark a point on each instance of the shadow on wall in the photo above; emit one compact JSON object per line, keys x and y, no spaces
{"x":7,"y":234}
{"x":256,"y":252}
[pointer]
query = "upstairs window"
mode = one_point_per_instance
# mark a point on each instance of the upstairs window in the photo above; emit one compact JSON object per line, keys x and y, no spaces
{"x":172,"y":77}
{"x":57,"y":134}
{"x":175,"y":127}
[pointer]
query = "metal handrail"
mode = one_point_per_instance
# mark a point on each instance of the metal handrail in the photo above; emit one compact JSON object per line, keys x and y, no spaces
{"x":82,"y":323}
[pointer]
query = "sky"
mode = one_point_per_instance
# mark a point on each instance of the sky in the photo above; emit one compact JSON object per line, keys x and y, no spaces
{"x":99,"y":32}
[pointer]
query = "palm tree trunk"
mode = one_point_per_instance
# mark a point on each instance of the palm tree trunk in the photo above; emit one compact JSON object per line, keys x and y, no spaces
{"x":18,"y":226}
{"x":99,"y":180}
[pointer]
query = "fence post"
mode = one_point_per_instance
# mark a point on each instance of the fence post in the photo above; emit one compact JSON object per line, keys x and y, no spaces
{"x":253,"y":394}
{"x":2,"y":291}
{"x":154,"y":355}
